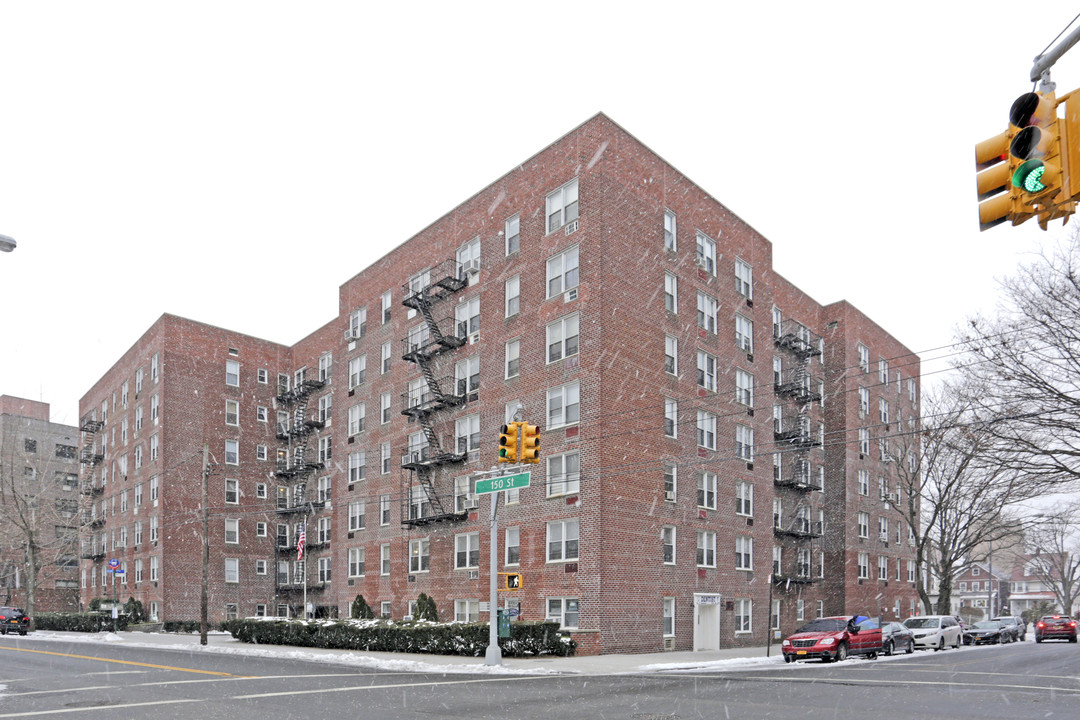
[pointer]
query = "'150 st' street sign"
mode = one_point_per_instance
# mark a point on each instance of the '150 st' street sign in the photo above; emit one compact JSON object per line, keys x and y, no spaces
{"x":510,"y":482}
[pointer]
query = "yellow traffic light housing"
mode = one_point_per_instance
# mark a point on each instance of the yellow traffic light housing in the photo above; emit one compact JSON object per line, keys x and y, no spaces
{"x":1035,"y":150}
{"x":530,"y":443}
{"x":508,"y":442}
{"x":510,"y":581}
{"x":996,"y":199}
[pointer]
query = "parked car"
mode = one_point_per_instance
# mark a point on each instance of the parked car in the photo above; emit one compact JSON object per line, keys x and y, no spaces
{"x":834,"y":638}
{"x":1019,"y":627}
{"x":896,"y":637}
{"x":13,"y":619}
{"x":987,"y":632}
{"x":1055,"y":627}
{"x":935,"y":631}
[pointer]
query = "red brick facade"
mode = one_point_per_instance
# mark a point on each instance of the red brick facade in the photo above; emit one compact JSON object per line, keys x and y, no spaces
{"x":591,"y":339}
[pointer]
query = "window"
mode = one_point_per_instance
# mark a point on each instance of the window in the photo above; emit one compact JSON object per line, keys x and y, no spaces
{"x":912,"y":391}
{"x":744,"y":334}
{"x":883,"y":371}
{"x":706,"y":312}
{"x":154,"y":408}
{"x":513,"y":543}
{"x":562,"y":338}
{"x":466,"y":611}
{"x":232,"y":412}
{"x":743,"y":615}
{"x":706,"y":253}
{"x":864,"y":358}
{"x":260,"y":529}
{"x":384,"y":510}
{"x":671,"y":293}
{"x":513,"y":359}
{"x":467,"y":314}
{"x":671,"y":482}
{"x":357,"y":415}
{"x":563,"y":611}
{"x":706,"y":430}
{"x":356,"y":562}
{"x":864,"y":525}
{"x":744,"y":498}
{"x":562,"y":206}
{"x":864,"y":482}
{"x":232,"y":373}
{"x":911,"y":571}
{"x":357,"y":466}
{"x":384,"y":451}
{"x":232,"y":531}
{"x":744,"y":279}
{"x":744,"y":442}
{"x":467,"y":433}
{"x":357,"y":324}
{"x":883,"y":406}
{"x":864,"y":566}
{"x":669,"y":617}
{"x":385,"y":353}
{"x":384,"y":559}
{"x":671,"y":355}
{"x":667,"y":537}
{"x":744,"y":552}
{"x":562,"y":540}
{"x":864,"y":441}
{"x":232,"y":569}
{"x":744,"y":388}
{"x":706,"y":548}
{"x":671,"y":417}
{"x":864,"y":402}
{"x":232,"y":452}
{"x":357,"y":371}
{"x":706,"y":491}
{"x":467,"y":550}
{"x":232,"y":492}
{"x":706,"y":370}
{"x":325,"y":445}
{"x":467,"y":375}
{"x":324,"y":570}
{"x":356,"y":515}
{"x":670,"y":235}
{"x":153,"y":529}
{"x":512,"y":231}
{"x":563,"y":405}
{"x":564,"y":474}
{"x":513,"y":296}
{"x":800,"y":610}
{"x":384,"y":408}
{"x":326,"y":361}
{"x":883,"y":529}
{"x":419,"y":557}
{"x":562,"y":272}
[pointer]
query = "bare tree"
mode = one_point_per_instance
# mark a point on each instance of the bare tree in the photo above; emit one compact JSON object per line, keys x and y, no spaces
{"x":1022,"y":368}
{"x":951,"y":499}
{"x":1057,"y":553}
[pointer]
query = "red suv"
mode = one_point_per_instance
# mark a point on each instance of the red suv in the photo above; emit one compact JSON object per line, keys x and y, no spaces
{"x":1055,"y":627}
{"x":834,"y":638}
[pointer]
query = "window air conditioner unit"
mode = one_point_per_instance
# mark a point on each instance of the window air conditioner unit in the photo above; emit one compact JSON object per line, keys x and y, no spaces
{"x":669,"y":643}
{"x":471,"y":267}
{"x":669,"y":495}
{"x":471,"y":503}
{"x":571,"y":227}
{"x":474,"y":338}
{"x":570,"y":295}
{"x":474,"y":574}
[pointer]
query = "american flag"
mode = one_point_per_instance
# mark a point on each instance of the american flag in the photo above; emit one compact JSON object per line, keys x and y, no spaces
{"x":300,"y":540}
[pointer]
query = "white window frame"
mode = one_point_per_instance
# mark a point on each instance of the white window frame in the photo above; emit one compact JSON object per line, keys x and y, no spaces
{"x":564,"y":405}
{"x":706,"y":548}
{"x":706,"y":429}
{"x":563,"y":538}
{"x":706,"y":370}
{"x":563,"y":272}
{"x":744,"y":552}
{"x":563,"y":338}
{"x":744,"y":279}
{"x":706,"y":253}
{"x":671,"y":355}
{"x":671,"y":236}
{"x":707,"y":308}
{"x":564,"y":474}
{"x":561,"y":206}
{"x":671,"y":293}
{"x":512,"y":295}
{"x":706,"y":490}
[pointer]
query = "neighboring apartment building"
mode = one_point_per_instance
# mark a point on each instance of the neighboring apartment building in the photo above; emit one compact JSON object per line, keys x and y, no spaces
{"x":1028,"y":588}
{"x":980,"y":586}
{"x":39,"y":504}
{"x":703,"y":426}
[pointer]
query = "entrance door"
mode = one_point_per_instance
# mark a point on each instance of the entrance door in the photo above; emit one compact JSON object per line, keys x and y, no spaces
{"x":706,"y":621}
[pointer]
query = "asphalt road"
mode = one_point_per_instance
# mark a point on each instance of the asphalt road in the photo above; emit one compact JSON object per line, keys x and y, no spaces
{"x":95,"y":680}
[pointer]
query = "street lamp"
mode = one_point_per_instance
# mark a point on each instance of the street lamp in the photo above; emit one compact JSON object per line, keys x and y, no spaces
{"x":7,"y":244}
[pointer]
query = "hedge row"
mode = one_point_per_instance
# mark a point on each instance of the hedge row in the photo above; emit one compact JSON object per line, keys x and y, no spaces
{"x":79,"y":622}
{"x":526,"y":638}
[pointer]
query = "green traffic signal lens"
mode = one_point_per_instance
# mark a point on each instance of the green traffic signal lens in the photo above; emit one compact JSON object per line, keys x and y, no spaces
{"x":1029,"y":176}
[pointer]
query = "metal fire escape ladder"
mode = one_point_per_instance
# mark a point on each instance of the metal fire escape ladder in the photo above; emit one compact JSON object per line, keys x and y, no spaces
{"x":441,"y":336}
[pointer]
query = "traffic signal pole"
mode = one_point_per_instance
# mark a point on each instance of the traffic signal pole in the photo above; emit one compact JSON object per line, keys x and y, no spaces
{"x":493,"y":654}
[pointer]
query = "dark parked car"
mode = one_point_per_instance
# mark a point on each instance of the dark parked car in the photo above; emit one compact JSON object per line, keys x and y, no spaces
{"x":987,"y":632}
{"x":1055,"y":627}
{"x":896,"y":637}
{"x":834,"y":638}
{"x":13,"y":619}
{"x":1019,"y":627}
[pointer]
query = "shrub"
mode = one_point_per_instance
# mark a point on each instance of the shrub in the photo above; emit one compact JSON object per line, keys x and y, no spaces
{"x":526,"y":638}
{"x":425,"y":608}
{"x":181,"y":626}
{"x":79,"y":622}
{"x":360,"y":609}
{"x":134,"y":610}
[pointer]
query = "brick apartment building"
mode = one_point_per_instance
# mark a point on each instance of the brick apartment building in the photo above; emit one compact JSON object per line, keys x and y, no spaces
{"x":706,"y":426}
{"x":38,"y":503}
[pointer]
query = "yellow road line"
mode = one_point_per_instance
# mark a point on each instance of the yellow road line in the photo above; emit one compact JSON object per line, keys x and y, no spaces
{"x":119,"y":662}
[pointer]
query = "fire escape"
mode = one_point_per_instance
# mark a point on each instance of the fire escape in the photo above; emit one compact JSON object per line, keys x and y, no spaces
{"x":424,"y":399}
{"x":798,"y":448}
{"x":90,"y":488}
{"x":294,"y":468}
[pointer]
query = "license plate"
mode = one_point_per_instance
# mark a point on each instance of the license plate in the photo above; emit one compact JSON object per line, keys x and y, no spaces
{"x":800,"y":652}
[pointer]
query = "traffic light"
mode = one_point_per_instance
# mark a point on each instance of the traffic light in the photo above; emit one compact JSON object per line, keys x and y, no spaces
{"x":1035,"y":151}
{"x":508,"y":443}
{"x":510,"y":581}
{"x":994,"y":180}
{"x":530,"y":443}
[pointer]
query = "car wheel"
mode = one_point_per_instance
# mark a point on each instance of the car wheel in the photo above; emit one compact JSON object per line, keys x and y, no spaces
{"x":910,"y":647}
{"x":940,"y":644}
{"x":1072,"y":639}
{"x":888,"y":648}
{"x":841,"y":652}
{"x":22,"y":632}
{"x":787,"y":658}
{"x":1038,"y":639}
{"x":956,"y":645}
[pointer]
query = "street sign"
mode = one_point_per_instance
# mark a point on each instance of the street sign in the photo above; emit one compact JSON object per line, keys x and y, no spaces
{"x":114,"y":563}
{"x":509,"y":482}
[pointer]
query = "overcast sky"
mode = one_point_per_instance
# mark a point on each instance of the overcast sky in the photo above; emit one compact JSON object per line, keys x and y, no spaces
{"x":213,"y":159}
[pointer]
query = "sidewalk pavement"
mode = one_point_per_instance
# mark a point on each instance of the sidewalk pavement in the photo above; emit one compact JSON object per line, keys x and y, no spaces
{"x":219,"y":642}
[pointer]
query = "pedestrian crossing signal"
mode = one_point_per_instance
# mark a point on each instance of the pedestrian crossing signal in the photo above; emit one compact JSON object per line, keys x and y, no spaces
{"x":510,"y":581}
